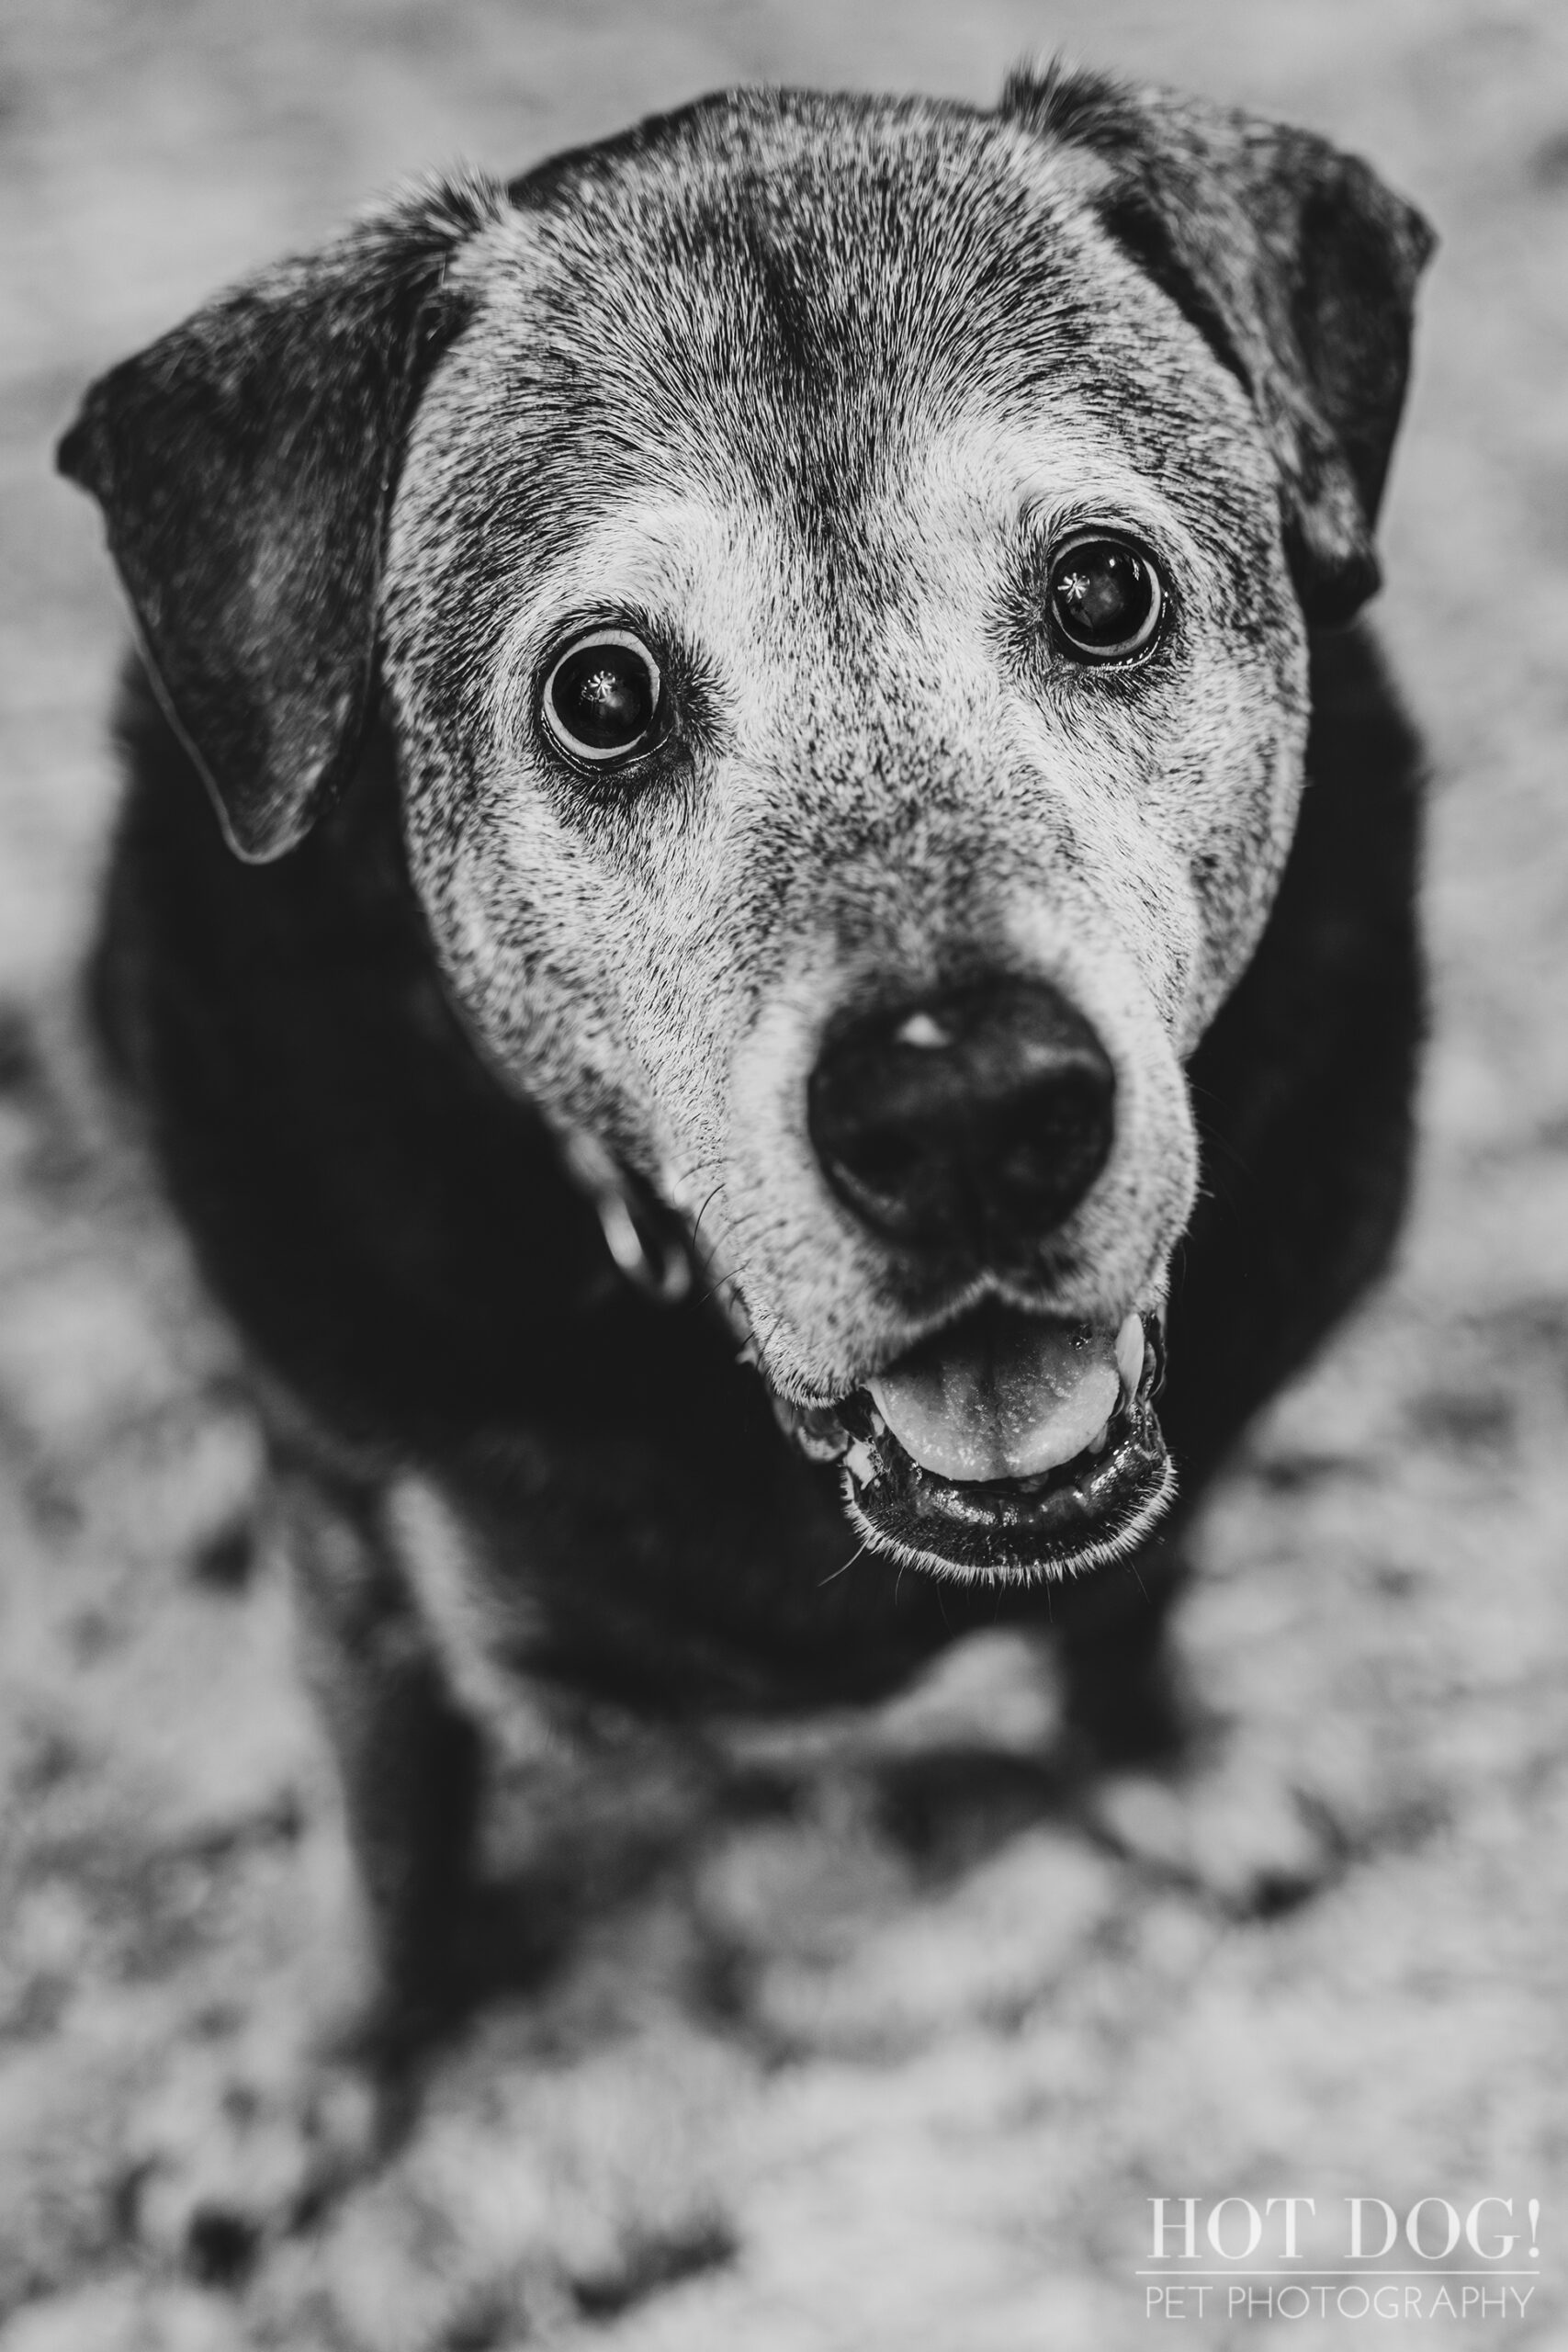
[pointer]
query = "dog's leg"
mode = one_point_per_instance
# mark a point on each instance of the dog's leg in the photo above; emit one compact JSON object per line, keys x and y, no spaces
{"x":408,"y":1756}
{"x":1214,"y":1806}
{"x":1122,"y":1693}
{"x":248,"y":2133}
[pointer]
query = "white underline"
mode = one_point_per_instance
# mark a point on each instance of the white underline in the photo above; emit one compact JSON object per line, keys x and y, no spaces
{"x":1335,"y":2274}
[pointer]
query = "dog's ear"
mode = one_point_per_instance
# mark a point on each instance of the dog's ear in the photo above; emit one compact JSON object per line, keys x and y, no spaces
{"x":1299,"y":267}
{"x":244,"y":464}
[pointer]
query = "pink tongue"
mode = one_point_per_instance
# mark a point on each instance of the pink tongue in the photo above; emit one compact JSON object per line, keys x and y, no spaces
{"x":1000,"y":1396}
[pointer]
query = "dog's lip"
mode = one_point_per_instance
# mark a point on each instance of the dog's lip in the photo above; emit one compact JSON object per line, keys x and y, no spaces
{"x":1054,"y":1522}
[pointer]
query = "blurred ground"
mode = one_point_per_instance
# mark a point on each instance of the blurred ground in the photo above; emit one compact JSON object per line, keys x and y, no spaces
{"x":896,"y":2057}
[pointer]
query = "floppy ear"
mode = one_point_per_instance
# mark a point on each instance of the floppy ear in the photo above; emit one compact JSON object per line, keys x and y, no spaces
{"x":245,"y":464}
{"x":1300,"y":268}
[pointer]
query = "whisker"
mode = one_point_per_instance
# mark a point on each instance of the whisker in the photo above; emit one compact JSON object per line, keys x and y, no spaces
{"x":718,"y":1286}
{"x":707,"y":1204}
{"x":848,"y":1564}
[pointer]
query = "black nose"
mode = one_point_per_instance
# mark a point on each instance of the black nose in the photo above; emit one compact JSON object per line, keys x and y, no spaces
{"x":979,"y":1119}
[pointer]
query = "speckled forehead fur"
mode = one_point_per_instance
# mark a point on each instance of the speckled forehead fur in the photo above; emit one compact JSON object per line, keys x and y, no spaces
{"x":806,"y":389}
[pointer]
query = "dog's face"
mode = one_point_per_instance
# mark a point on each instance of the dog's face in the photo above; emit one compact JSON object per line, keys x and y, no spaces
{"x":768,"y":437}
{"x":844,"y":634}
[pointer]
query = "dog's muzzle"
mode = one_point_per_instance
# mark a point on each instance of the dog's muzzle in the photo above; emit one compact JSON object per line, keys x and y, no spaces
{"x":963,"y":1131}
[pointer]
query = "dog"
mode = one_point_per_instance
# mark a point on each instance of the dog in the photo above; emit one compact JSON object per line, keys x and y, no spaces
{"x":795,"y":986}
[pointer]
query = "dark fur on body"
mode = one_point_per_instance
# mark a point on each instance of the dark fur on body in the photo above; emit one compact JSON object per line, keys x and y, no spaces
{"x":354,"y":1118}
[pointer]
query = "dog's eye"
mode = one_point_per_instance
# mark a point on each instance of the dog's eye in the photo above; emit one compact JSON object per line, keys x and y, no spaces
{"x":1106,"y":599}
{"x":602,"y":701}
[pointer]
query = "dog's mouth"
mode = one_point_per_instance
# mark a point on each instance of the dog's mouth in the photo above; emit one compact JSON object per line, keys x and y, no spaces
{"x":1005,"y":1446}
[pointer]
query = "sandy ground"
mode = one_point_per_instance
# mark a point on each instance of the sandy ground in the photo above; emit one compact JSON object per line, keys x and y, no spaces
{"x":894,"y":2052}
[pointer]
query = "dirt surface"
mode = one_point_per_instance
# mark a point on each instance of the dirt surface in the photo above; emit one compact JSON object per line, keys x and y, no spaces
{"x":884,"y":2034}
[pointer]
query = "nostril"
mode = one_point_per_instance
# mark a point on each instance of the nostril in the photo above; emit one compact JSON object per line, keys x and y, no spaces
{"x":1054,"y":1125}
{"x":881,"y":1167}
{"x":980,"y":1118}
{"x":883,"y":1159}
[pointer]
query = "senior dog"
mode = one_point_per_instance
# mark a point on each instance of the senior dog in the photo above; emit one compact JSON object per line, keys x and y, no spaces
{"x":802,"y":894}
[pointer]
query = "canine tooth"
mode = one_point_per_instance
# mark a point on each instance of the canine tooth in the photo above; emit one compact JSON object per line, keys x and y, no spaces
{"x":859,"y":1462}
{"x":1098,"y":1442}
{"x":1130,"y":1355}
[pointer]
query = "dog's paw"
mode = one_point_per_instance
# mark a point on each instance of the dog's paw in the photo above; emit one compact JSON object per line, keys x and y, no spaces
{"x":1234,"y":1827}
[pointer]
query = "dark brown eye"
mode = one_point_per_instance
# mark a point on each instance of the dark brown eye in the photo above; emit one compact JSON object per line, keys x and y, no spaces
{"x":603,"y":699}
{"x":1106,"y":599}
